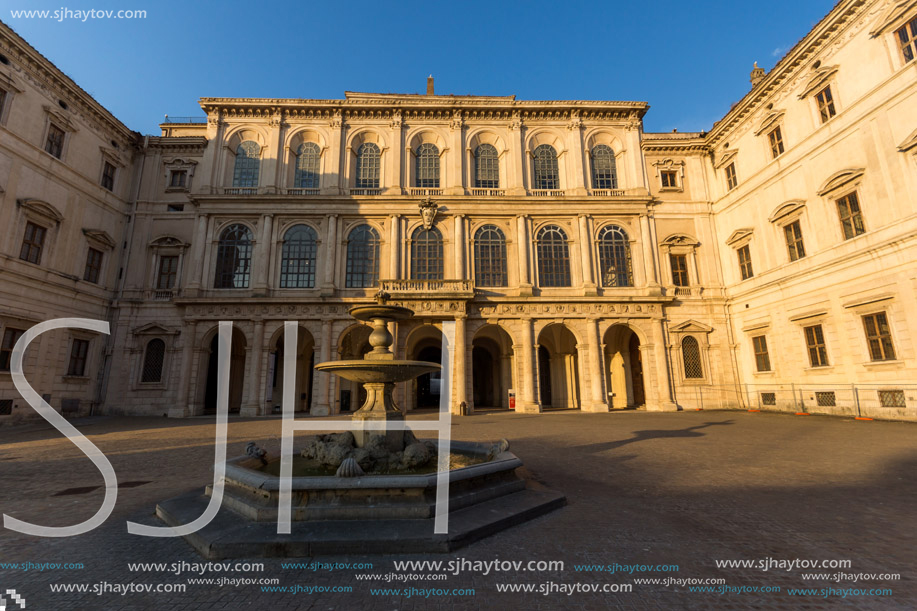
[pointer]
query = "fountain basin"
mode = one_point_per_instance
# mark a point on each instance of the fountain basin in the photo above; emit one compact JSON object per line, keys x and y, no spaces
{"x":375,"y":372}
{"x":381,"y":312}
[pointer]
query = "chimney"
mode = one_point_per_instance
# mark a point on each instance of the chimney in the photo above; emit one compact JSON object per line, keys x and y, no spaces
{"x":757,"y":75}
{"x":430,"y":85}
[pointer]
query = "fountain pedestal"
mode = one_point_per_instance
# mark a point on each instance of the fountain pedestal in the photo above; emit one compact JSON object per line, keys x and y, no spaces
{"x":379,"y":408}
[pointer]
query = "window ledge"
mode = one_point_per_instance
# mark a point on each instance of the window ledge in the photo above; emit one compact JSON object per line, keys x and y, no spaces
{"x":768,"y":374}
{"x":819,"y":369}
{"x":671,"y":189}
{"x":76,"y":379}
{"x":177,"y":189}
{"x":879,"y":364}
{"x":695,"y":382}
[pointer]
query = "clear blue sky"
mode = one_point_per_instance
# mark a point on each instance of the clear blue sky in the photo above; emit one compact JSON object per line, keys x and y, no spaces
{"x":689,"y":60}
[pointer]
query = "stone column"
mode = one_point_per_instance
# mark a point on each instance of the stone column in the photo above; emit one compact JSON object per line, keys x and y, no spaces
{"x":263,"y":254}
{"x":522,"y":249}
{"x":395,"y":248}
{"x":209,"y":248}
{"x":330,"y":255}
{"x":575,"y":159}
{"x":456,"y":178}
{"x":596,"y":367}
{"x":585,"y":240}
{"x":323,"y":406}
{"x":182,"y":405}
{"x":692,"y":263}
{"x":506,"y":374}
{"x":198,"y":248}
{"x":649,"y":251}
{"x":460,"y":267}
{"x":397,"y":148}
{"x":663,"y":382}
{"x":528,"y":403}
{"x":254,"y":403}
{"x":273,"y":161}
{"x":332,"y":178}
{"x":459,"y":359}
{"x":517,"y":150}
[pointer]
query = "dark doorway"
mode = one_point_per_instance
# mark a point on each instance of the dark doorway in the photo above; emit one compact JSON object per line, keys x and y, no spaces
{"x":236,"y":374}
{"x":484,"y":378}
{"x":429,"y":385}
{"x":636,"y":370}
{"x":544,"y":376}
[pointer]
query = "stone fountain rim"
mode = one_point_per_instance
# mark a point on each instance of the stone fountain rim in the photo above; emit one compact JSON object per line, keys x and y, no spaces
{"x":393,"y":313}
{"x":236,"y":471}
{"x":357,"y":363}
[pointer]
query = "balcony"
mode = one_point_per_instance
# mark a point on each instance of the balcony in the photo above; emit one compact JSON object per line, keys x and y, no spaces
{"x":424,"y":191}
{"x":488,"y":192}
{"x":366,"y":191}
{"x":546,"y":193}
{"x":302,"y":191}
{"x":428,"y":288}
{"x":686,"y":291}
{"x":607,"y":193}
{"x":240,"y":191}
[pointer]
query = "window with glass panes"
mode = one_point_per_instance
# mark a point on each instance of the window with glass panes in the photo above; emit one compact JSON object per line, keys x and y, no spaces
{"x":178,"y":179}
{"x":486,"y":167}
{"x":168,"y":272}
{"x":794,"y":245}
{"x":78,"y":351}
{"x":679,"y":269}
{"x":426,"y":254}
{"x":604,"y":171}
{"x":368,"y":164}
{"x":825,"y":102}
{"x":879,"y":337}
{"x":108,"y":176}
{"x":546,"y":174}
{"x":427,"y":166}
{"x":93,"y":266}
{"x":848,"y":208}
{"x":247,"y":165}
{"x":32,"y":243}
{"x":669,"y":179}
{"x":362,"y":257}
{"x":234,"y":258}
{"x":731,"y":180}
{"x":775,"y":137}
{"x":690,"y":353}
{"x":297,"y":264}
{"x":745,"y":268}
{"x":307,"y":163}
{"x":553,"y":257}
{"x":906,"y":36}
{"x":55,"y":142}
{"x":762,"y":358}
{"x":614,"y":257}
{"x":10,"y":337}
{"x":815,"y":345}
{"x":489,"y":256}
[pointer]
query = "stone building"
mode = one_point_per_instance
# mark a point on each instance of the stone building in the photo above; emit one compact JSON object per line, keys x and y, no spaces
{"x":769,"y":262}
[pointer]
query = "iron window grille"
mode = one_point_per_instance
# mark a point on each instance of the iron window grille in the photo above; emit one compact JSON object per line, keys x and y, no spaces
{"x":153,"y":361}
{"x":553,"y":257}
{"x":768,"y":398}
{"x":546,"y":173}
{"x":362,"y":257}
{"x":308,"y":157}
{"x":690,"y":354}
{"x":615,"y":257}
{"x":234,"y":258}
{"x":427,"y":166}
{"x":297,"y":265}
{"x":825,"y":399}
{"x":892,"y":398}
{"x":368,"y":165}
{"x":490,"y":257}
{"x":426,"y":254}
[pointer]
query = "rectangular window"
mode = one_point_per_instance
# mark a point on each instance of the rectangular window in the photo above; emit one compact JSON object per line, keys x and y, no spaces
{"x":6,"y":407}
{"x":762,"y":358}
{"x":108,"y":176}
{"x":825,"y":398}
{"x":55,"y":143}
{"x":10,"y":337}
{"x":3,"y":96}
{"x":679,"y":269}
{"x":78,"y":352}
{"x":731,"y":181}
{"x":178,"y":179}
{"x":168,"y":272}
{"x":93,"y":266}
{"x":769,"y":398}
{"x":825,"y":102}
{"x":892,"y":398}
{"x":775,"y":137}
{"x":793,"y":233}
{"x":815,"y":344}
{"x":32,"y":243}
{"x":907,"y":40}
{"x":175,"y":208}
{"x":669,"y":179}
{"x":745,"y":262}
{"x":879,"y":337}
{"x":848,"y":207}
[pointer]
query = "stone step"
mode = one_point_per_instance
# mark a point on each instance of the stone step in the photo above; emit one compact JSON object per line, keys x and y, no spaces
{"x":230,"y":536}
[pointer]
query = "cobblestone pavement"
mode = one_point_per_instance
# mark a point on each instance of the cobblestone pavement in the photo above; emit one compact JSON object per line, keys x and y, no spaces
{"x":684,"y":489}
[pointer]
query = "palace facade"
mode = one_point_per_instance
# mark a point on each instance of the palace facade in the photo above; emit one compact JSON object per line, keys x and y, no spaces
{"x":768,"y":263}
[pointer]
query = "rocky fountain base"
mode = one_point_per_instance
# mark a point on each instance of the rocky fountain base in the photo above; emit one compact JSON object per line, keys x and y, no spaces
{"x":369,"y":492}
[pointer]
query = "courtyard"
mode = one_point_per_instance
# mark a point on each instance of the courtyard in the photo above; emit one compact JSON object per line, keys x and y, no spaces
{"x":675,"y":493}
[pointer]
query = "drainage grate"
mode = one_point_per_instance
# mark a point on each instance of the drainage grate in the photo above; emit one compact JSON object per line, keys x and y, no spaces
{"x":83,"y":490}
{"x":892,"y":398}
{"x":769,"y":398}
{"x":132,"y":484}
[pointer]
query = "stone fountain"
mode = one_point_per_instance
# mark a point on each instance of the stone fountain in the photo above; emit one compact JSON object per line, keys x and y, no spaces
{"x":357,"y":511}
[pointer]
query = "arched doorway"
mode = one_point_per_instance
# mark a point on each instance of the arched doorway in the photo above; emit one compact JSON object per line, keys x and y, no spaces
{"x":353,"y":345}
{"x":236,"y":372}
{"x":425,"y":343}
{"x":305,"y":359}
{"x":491,"y":368}
{"x":623,"y":368}
{"x":558,"y":368}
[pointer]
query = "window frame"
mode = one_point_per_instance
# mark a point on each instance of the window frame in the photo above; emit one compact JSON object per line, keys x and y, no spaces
{"x":699,"y":365}
{"x":38,"y":246}
{"x":305,"y":274}
{"x":247,"y":175}
{"x":816,"y":345}
{"x":825,"y":104}
{"x":108,"y":178}
{"x":775,"y":141}
{"x":852,"y":217}
{"x":427,"y":166}
{"x":545,"y":169}
{"x":58,"y":146}
{"x":680,"y":271}
{"x":746,"y":268}
{"x":761,"y":353}
{"x":78,"y":361}
{"x":491,"y":265}
{"x":428,"y":255}
{"x":173,"y":274}
{"x":219,"y":274}
{"x":353,"y":257}
{"x":796,"y":249}
{"x":732,"y":180}
{"x":374,"y":181}
{"x":145,"y":355}
{"x":484,"y":176}
{"x":302,"y":173}
{"x":93,"y":268}
{"x":6,"y":347}
{"x":563,"y":271}
{"x":903,"y":46}
{"x":609,"y":251}
{"x":610,"y":173}
{"x":888,"y":336}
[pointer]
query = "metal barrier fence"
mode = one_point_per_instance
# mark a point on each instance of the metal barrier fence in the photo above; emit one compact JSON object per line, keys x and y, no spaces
{"x":886,"y":401}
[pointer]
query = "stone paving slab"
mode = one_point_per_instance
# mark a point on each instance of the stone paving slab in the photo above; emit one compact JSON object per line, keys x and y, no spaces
{"x":685,"y":489}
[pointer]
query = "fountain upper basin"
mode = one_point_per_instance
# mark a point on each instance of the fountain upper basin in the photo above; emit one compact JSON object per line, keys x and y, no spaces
{"x":381,"y":312}
{"x":378,"y":371}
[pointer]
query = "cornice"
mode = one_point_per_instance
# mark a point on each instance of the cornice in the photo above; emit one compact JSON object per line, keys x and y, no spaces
{"x":35,"y":67}
{"x":177,"y":144}
{"x":796,"y":57}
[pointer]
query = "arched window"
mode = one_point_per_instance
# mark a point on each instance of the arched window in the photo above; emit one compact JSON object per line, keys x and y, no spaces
{"x":307,"y":160}
{"x":153,"y":359}
{"x":368,"y":164}
{"x":546,"y":173}
{"x":428,"y":166}
{"x":553,"y":257}
{"x":362,"y":257}
{"x":234,"y":258}
{"x":248,"y":162}
{"x":297,"y":265}
{"x":614,"y":257}
{"x":489,"y":256}
{"x":690,"y":354}
{"x":486,"y":167}
{"x":426,"y":254}
{"x":604,"y":172}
